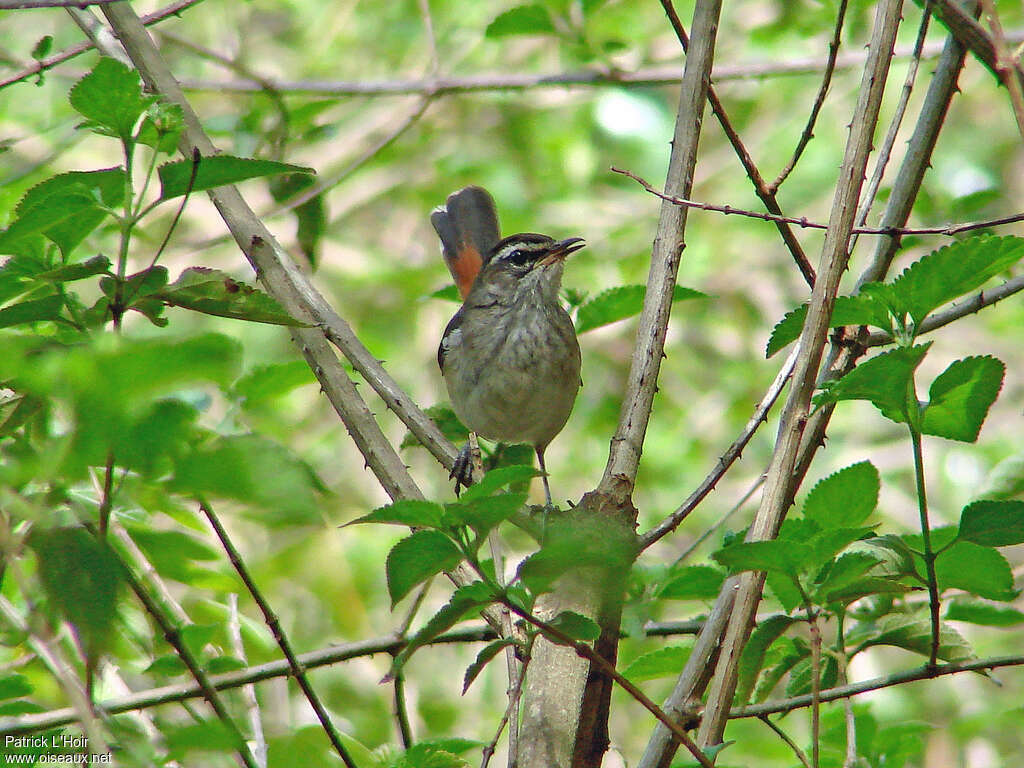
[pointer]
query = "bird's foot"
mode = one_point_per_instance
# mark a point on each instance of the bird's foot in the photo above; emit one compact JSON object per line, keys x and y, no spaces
{"x":462,"y":469}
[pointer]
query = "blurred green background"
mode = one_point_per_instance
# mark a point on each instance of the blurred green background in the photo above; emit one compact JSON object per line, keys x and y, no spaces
{"x":545,"y":154}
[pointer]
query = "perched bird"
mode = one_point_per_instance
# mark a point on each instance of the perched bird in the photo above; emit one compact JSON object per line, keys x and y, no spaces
{"x":509,"y":356}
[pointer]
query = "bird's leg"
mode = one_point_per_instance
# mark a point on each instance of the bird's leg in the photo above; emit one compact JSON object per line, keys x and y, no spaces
{"x":547,"y":489}
{"x":466,"y":464}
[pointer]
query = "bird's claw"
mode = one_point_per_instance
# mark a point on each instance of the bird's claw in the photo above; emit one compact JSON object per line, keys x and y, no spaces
{"x":462,"y":469}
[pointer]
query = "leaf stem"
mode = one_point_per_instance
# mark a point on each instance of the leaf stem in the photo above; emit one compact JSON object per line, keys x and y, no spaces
{"x":929,"y":553}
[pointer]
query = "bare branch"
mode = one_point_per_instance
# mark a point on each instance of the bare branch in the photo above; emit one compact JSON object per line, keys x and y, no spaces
{"x":627,"y":444}
{"x":876,"y":684}
{"x":731,"y":454}
{"x":819,"y":100}
{"x":15,"y":5}
{"x":777,"y":491}
{"x":949,"y":230}
{"x":294,"y":667}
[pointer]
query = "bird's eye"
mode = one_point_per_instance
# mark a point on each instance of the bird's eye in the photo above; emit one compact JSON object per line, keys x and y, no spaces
{"x":519,"y":257}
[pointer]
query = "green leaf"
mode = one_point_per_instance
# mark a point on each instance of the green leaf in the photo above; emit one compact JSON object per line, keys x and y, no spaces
{"x":265,"y":382}
{"x":782,"y":656}
{"x":136,"y":286}
{"x":111,"y":98}
{"x":42,"y":47}
{"x":424,"y":755}
{"x":172,"y":553}
{"x":412,"y":512}
{"x":694,"y":582}
{"x":839,"y":584}
{"x":465,"y":599}
{"x":826,"y":544}
{"x":982,"y":571}
{"x":31,"y":311}
{"x":213,"y":292}
{"x":105,"y":185}
{"x":575,"y":625}
{"x":216,"y":171}
{"x":446,"y":420}
{"x":963,"y":608}
{"x":521,"y":20}
{"x":960,"y":397}
{"x":992,"y":523}
{"x":952,"y":271}
{"x":81,"y":577}
{"x":785,"y":557}
{"x":621,"y":302}
{"x":71,"y":272}
{"x":65,"y":217}
{"x":753,"y":656}
{"x":497,"y":479}
{"x":166,"y":666}
{"x":844,"y":498}
{"x":255,"y":471}
{"x":13,"y":686}
{"x":487,"y":653}
{"x":883,"y":381}
{"x":484,"y":514}
{"x":848,"y":310}
{"x":572,"y":544}
{"x":162,"y":127}
{"x":207,"y":736}
{"x":310,"y":216}
{"x":416,"y":558}
{"x":914,"y":633}
{"x":667,"y":661}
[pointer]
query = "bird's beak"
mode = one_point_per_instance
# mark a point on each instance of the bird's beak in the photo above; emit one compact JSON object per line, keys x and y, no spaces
{"x":561,"y":249}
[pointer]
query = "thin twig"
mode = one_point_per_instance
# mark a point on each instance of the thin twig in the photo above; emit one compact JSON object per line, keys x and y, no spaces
{"x":785,"y":737}
{"x":392,"y":644}
{"x":732,"y":453}
{"x":884,"y":152}
{"x":77,"y":50}
{"x":295,"y":667}
{"x":16,"y":5}
{"x":1007,"y":65}
{"x":819,"y":100}
{"x":721,"y":521}
{"x":514,"y":695}
{"x":876,"y":684}
{"x":654,"y":76}
{"x":174,"y":639}
{"x":252,"y":704}
{"x":760,"y":186}
{"x":948,"y":230}
{"x":402,"y":710}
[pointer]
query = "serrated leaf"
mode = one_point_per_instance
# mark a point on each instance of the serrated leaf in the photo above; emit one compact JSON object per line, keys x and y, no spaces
{"x":484,"y":514}
{"x":412,"y":512}
{"x":783,"y":656}
{"x":111,"y":98}
{"x":575,"y":625}
{"x":848,"y":310}
{"x":844,"y":498}
{"x":952,"y":271}
{"x":847,"y":570}
{"x":521,"y":20}
{"x":800,"y":676}
{"x":913,"y":633}
{"x":667,"y":661}
{"x":497,"y":479}
{"x":213,"y":292}
{"x":826,"y":544}
{"x":483,"y":658}
{"x":982,"y":571}
{"x":465,"y":599}
{"x":573,"y":545}
{"x":446,"y":420}
{"x":992,"y":523}
{"x":416,"y":558}
{"x":960,"y":397}
{"x":136,"y":286}
{"x":883,"y":381}
{"x":217,"y":171}
{"x":31,"y":311}
{"x":694,"y":582}
{"x":207,"y":736}
{"x":974,"y":611}
{"x":619,"y":303}
{"x":752,"y":658}
{"x":785,"y":557}
{"x":65,"y":217}
{"x":71,"y":272}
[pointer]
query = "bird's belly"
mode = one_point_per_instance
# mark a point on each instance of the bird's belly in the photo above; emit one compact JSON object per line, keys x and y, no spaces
{"x":524,"y":388}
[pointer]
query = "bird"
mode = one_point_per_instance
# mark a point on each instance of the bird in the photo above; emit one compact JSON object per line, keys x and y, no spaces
{"x":509,"y":357}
